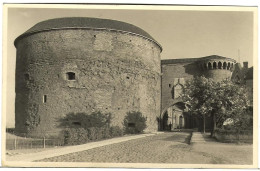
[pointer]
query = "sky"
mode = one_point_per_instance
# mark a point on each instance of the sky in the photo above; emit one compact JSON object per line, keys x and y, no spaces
{"x":181,"y":33}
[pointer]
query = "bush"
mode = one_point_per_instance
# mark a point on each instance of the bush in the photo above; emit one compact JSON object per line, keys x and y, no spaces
{"x":82,"y":128}
{"x":116,"y":131}
{"x":106,"y":133}
{"x":234,"y":131}
{"x":84,"y":120}
{"x":234,"y":135}
{"x":134,"y":123}
{"x":92,"y":133}
{"x":75,"y":136}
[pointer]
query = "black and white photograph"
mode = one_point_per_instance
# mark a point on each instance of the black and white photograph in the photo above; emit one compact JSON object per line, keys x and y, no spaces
{"x":129,"y":86}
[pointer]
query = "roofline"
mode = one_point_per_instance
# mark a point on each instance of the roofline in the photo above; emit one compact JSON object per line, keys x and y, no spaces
{"x":184,"y":60}
{"x":87,"y":28}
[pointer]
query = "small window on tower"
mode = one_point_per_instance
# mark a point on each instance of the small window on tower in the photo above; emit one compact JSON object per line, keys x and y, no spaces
{"x":76,"y":123}
{"x":44,"y":98}
{"x":71,"y":76}
{"x":26,"y":77}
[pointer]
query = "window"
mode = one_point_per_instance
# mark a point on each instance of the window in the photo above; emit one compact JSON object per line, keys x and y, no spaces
{"x":76,"y":123}
{"x":170,"y":85}
{"x":209,"y":65}
{"x":224,"y":65}
{"x":44,"y":98}
{"x":219,"y":65}
{"x":71,"y":76}
{"x":131,"y":125}
{"x":26,"y":77}
{"x":177,"y":91}
{"x":214,"y":65}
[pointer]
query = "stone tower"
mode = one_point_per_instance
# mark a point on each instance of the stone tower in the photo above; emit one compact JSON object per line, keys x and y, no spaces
{"x":76,"y":65}
{"x":217,"y":67}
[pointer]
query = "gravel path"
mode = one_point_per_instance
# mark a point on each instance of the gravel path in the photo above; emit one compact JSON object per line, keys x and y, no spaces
{"x":172,"y":147}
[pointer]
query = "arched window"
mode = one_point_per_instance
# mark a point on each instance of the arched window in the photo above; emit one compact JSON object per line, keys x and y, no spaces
{"x":178,"y":90}
{"x":71,"y":76}
{"x":228,"y":66}
{"x":214,"y":65}
{"x":219,"y":65}
{"x":209,"y":65}
{"x":224,"y":65}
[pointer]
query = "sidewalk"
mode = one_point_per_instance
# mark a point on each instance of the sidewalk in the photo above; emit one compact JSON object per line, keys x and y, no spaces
{"x":52,"y":152}
{"x":201,"y":138}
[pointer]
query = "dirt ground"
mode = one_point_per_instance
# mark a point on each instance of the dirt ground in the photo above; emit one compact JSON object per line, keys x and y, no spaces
{"x":172,"y":147}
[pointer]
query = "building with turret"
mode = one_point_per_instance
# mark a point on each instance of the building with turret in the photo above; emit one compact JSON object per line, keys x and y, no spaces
{"x":174,"y":74}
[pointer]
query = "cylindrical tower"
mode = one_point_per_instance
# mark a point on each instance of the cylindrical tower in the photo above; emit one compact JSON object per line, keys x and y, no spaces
{"x":217,"y":67}
{"x":84,"y":65}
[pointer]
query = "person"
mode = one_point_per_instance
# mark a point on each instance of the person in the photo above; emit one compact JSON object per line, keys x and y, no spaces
{"x":170,"y":125}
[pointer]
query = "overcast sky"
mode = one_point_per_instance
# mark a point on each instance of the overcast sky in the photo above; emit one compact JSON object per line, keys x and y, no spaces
{"x":182,"y":33}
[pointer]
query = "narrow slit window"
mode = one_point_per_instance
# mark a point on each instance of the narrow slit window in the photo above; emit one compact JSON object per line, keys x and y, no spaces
{"x":131,"y":125}
{"x":44,"y":98}
{"x":170,"y":85}
{"x":26,"y":77}
{"x":76,"y":123}
{"x":71,"y":76}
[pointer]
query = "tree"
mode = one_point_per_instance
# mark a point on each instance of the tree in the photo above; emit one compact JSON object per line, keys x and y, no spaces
{"x":219,"y":100}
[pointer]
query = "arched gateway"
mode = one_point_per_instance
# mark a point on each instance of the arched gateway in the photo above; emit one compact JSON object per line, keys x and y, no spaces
{"x":176,"y":116}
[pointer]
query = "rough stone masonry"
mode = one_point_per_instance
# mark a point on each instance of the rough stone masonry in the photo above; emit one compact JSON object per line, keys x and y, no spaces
{"x":84,"y":65}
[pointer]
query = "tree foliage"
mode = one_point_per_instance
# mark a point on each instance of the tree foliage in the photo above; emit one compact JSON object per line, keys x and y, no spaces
{"x":220,"y":100}
{"x":79,"y":128}
{"x":83,"y":120}
{"x":134,"y":122}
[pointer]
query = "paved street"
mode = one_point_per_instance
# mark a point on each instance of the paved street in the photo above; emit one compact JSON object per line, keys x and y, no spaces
{"x":169,"y":147}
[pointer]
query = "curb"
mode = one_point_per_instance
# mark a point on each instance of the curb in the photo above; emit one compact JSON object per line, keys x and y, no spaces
{"x":73,"y":149}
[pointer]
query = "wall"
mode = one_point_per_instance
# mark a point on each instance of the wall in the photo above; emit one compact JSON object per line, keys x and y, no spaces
{"x":170,"y":75}
{"x":114,"y":72}
{"x":218,"y":74}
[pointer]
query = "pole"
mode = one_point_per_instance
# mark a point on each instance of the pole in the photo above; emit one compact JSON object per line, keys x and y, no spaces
{"x":43,"y":142}
{"x":172,"y":120}
{"x":204,"y":124}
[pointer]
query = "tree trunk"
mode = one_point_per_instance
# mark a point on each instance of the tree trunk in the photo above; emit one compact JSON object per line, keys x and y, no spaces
{"x":214,"y":125}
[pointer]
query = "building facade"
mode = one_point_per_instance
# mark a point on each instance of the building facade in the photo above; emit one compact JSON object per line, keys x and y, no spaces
{"x":174,"y":74}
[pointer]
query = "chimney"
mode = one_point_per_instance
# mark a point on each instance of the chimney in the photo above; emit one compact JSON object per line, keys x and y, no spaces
{"x":245,"y":65}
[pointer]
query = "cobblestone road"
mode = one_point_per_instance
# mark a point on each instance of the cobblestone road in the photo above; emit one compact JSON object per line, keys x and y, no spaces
{"x":163,"y":148}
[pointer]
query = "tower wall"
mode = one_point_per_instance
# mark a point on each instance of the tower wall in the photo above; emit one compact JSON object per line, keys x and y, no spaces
{"x":218,"y":75}
{"x":216,"y":69}
{"x":114,"y":72}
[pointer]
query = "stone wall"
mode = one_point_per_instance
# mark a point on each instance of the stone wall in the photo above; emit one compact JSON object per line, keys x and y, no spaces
{"x":172,"y":74}
{"x":218,"y":74}
{"x":114,"y":72}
